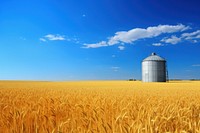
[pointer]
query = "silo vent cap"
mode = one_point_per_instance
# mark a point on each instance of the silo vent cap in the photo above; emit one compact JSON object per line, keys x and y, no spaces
{"x":154,"y":57}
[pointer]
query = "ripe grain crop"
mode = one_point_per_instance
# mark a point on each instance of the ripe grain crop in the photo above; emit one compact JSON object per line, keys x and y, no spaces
{"x":99,"y":106}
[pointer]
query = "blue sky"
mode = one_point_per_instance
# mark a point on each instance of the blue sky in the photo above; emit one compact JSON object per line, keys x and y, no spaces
{"x":97,"y":40}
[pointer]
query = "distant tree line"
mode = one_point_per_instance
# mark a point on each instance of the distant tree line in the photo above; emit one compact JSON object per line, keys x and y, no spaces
{"x":132,"y":79}
{"x":184,"y":79}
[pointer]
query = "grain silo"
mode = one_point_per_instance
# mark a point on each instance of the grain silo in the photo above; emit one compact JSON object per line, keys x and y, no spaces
{"x":154,"y":69}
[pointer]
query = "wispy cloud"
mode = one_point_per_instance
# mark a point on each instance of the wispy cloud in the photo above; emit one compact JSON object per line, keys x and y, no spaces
{"x":113,"y":56}
{"x":158,"y":44}
{"x":138,"y":33}
{"x":52,"y":37}
{"x":95,"y":45}
{"x":22,"y":38}
{"x":56,"y":37}
{"x":192,"y":35}
{"x":173,"y":40}
{"x":114,"y":68}
{"x":194,"y":41}
{"x":121,"y":47}
{"x":43,"y":40}
{"x":196,"y":65}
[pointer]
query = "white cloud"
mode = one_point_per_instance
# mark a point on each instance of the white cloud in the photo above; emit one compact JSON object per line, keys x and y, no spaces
{"x":173,"y":40}
{"x":95,"y":45}
{"x":83,"y":15}
{"x":43,"y":40}
{"x":192,"y":35}
{"x":121,"y":47}
{"x":115,"y":68}
{"x":56,"y":37}
{"x":198,"y":36}
{"x":158,"y":44}
{"x":139,"y":33}
{"x":196,"y":65}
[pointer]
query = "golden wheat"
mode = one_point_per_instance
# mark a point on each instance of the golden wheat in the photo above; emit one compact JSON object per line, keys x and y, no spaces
{"x":99,"y":106}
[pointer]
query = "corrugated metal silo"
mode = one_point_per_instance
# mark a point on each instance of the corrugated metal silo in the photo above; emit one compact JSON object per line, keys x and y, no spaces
{"x":154,"y":69}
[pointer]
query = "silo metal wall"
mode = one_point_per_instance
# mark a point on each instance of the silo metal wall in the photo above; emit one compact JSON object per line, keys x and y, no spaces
{"x":154,"y":71}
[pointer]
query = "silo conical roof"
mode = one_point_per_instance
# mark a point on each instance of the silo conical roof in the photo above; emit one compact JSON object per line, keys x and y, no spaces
{"x":154,"y":57}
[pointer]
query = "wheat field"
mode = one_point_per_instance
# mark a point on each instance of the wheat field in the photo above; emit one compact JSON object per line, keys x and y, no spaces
{"x":99,"y":106}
